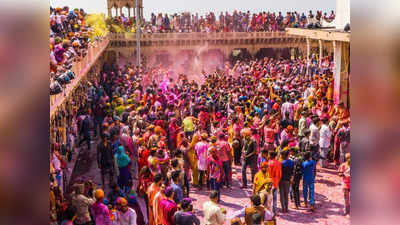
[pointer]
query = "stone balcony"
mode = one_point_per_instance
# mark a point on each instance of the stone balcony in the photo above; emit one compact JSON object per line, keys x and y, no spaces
{"x":125,"y":43}
{"x":175,"y":43}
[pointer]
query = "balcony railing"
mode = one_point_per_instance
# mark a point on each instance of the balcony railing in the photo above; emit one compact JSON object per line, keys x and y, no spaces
{"x":80,"y":68}
{"x":199,"y":35}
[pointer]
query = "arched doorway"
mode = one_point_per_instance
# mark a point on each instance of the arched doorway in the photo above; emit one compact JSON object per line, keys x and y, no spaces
{"x":241,"y":54}
{"x":114,"y":11}
{"x":125,"y":11}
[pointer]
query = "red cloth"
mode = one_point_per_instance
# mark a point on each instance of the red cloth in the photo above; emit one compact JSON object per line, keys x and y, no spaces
{"x":168,"y":208}
{"x":275,"y":171}
{"x":144,"y":183}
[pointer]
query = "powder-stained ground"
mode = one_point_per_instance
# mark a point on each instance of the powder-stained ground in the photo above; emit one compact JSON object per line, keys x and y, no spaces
{"x":329,"y":202}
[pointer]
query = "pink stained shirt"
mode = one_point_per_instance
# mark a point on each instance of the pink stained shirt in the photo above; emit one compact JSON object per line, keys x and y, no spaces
{"x":100,"y":213}
{"x":345,"y":169}
{"x":269,"y":135}
{"x":236,"y":129}
{"x":168,"y":208}
{"x":224,"y":150}
{"x":201,"y":151}
{"x":214,"y":168}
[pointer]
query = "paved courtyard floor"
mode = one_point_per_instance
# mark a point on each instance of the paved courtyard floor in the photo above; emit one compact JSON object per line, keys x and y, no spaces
{"x":329,"y":201}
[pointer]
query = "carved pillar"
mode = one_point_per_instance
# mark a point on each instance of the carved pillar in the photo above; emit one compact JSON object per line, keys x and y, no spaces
{"x":320,"y":52}
{"x":109,"y":12}
{"x":308,"y":54}
{"x":129,"y":12}
{"x":337,"y":56}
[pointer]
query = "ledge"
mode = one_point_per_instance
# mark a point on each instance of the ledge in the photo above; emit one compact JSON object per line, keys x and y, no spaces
{"x":320,"y":34}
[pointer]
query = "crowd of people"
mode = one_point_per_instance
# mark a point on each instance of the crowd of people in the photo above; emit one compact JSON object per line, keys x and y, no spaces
{"x":160,"y":137}
{"x":70,"y":37}
{"x":225,"y":22}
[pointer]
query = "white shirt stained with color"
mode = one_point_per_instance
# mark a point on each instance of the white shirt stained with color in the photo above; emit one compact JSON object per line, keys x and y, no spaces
{"x":126,"y":218}
{"x":201,"y":151}
{"x":213,"y":214}
{"x":325,"y":136}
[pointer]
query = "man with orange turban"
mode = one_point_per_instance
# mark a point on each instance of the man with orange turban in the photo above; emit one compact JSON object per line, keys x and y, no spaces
{"x":261,"y":178}
{"x":151,"y":193}
{"x":125,"y":215}
{"x":100,"y":211}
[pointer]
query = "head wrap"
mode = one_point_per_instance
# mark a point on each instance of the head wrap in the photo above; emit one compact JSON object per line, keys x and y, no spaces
{"x":132,"y":199}
{"x":122,"y":201}
{"x":213,"y":139}
{"x":158,"y":130}
{"x":122,"y":159}
{"x":99,"y":194}
{"x":246,"y":132}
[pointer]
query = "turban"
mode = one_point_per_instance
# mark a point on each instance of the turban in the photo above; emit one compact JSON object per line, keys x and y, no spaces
{"x":213,"y":139}
{"x":275,"y":106}
{"x":57,"y":40}
{"x":246,"y":132}
{"x":122,"y":201}
{"x":158,"y":129}
{"x":264,"y":164}
{"x":99,"y":194}
{"x":132,"y":199}
{"x":290,"y":128}
{"x":75,"y":43}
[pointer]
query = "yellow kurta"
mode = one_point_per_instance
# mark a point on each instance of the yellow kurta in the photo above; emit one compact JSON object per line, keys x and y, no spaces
{"x":193,"y":159}
{"x":260,"y":179}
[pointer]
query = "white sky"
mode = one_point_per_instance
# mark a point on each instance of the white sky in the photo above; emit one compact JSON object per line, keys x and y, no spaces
{"x":203,"y":6}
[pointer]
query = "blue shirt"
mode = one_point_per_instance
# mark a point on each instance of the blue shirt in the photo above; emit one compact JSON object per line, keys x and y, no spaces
{"x":287,"y":169}
{"x":115,"y":146}
{"x":259,"y":110}
{"x":308,"y":167}
{"x":178,"y":193}
{"x":261,"y":160}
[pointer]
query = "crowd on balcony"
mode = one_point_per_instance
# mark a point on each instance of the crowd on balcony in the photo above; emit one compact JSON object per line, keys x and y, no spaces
{"x":224,"y":22}
{"x":274,"y":116}
{"x":70,"y":37}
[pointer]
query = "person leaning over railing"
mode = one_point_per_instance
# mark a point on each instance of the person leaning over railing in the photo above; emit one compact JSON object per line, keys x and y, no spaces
{"x":236,"y":22}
